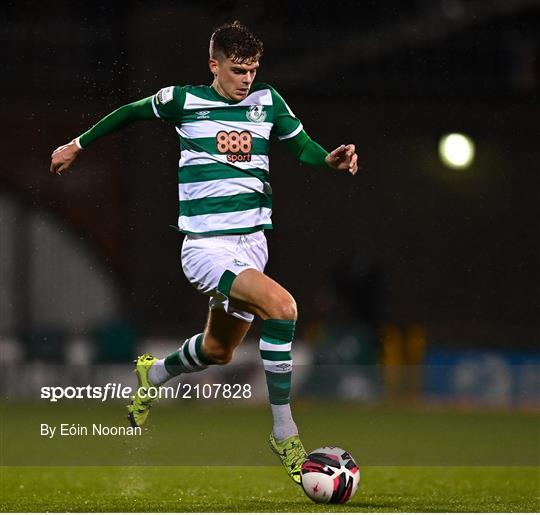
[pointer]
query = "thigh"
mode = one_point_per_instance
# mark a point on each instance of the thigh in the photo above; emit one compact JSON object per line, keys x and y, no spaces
{"x":224,"y":331}
{"x":208,"y":261}
{"x":255,"y":292}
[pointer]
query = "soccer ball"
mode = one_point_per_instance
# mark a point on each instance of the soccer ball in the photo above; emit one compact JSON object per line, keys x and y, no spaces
{"x":330,"y":475}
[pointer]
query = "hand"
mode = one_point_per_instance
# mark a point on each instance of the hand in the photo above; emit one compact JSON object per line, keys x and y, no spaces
{"x":63,"y":157}
{"x":343,"y":158}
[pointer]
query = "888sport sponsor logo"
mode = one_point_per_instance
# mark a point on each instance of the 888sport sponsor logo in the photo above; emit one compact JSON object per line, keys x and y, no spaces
{"x":237,"y":145}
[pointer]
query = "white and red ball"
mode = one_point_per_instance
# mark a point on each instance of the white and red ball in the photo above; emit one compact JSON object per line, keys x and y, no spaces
{"x":330,"y":475}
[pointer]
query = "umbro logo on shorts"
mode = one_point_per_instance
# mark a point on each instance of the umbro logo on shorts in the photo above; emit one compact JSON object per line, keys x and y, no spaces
{"x":237,"y":262}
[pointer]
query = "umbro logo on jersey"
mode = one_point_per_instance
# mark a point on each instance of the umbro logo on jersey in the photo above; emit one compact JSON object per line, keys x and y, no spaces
{"x":237,"y":262}
{"x":256,"y":113}
{"x":202,"y":115}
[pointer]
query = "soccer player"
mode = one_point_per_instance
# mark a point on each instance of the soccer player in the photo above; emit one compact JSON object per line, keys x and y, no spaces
{"x":225,"y":207}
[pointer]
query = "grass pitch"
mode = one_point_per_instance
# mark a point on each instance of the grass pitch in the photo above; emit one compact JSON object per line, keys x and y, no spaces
{"x":264,"y":489}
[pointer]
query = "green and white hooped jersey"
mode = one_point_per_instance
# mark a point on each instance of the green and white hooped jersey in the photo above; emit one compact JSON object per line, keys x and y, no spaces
{"x":223,"y":177}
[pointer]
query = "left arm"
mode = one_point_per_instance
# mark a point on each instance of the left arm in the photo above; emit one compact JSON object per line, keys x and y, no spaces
{"x":288,"y":128}
{"x":309,"y":152}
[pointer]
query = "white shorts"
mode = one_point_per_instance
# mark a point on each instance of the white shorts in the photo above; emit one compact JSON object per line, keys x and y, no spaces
{"x":211,"y":263}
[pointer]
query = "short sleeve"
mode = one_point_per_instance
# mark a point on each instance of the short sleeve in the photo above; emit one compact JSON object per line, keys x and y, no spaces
{"x":286,"y":125}
{"x":168,"y":103}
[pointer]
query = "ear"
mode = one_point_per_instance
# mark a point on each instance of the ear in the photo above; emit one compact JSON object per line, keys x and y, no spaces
{"x":213,"y":64}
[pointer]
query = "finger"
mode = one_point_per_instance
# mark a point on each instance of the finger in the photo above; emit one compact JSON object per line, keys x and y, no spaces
{"x":349,"y":150}
{"x":54,"y":165}
{"x":355,"y":167}
{"x":354,"y":160}
{"x":59,"y":149}
{"x":337,"y":151}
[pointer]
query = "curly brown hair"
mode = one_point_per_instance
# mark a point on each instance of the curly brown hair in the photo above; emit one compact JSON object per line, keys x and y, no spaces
{"x":237,"y":42}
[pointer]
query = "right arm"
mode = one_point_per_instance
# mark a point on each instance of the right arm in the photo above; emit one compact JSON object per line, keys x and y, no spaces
{"x":63,"y":157}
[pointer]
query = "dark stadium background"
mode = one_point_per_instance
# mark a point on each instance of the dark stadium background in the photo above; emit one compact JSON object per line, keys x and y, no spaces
{"x":425,"y":279}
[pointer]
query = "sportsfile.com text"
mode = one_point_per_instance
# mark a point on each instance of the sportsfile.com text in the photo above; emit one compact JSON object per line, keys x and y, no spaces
{"x":112,"y":391}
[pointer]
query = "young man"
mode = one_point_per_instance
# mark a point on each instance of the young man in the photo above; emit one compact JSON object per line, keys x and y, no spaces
{"x":225,"y":206}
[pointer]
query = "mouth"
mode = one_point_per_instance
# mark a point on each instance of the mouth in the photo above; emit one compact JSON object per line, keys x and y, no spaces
{"x":243,"y":91}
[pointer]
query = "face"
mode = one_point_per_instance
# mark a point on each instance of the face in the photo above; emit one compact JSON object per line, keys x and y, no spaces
{"x":233,"y":80}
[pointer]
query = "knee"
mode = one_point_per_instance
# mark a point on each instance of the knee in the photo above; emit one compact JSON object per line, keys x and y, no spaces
{"x":283,"y":307}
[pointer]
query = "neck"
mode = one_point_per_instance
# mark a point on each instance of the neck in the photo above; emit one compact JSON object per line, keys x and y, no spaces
{"x":219,"y":89}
